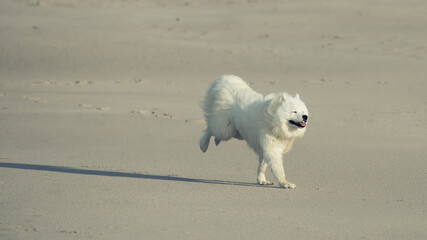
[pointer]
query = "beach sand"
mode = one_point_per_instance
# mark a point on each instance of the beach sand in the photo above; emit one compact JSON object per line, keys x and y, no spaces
{"x":100,"y":119}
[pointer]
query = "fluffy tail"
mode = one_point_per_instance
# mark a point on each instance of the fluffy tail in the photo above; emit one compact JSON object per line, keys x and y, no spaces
{"x":218,"y":108}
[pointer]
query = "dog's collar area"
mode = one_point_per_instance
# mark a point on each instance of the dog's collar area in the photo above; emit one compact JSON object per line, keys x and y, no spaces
{"x":302,"y":124}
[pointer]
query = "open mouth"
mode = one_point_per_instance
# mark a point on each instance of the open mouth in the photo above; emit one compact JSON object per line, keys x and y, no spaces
{"x":298,"y":124}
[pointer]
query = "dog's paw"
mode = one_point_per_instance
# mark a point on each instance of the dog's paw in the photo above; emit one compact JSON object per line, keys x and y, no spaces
{"x":265,"y":182}
{"x":204,"y":147}
{"x":204,"y":144}
{"x":287,"y":185}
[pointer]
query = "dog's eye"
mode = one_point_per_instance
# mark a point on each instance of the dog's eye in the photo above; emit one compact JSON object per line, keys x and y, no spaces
{"x":294,"y":111}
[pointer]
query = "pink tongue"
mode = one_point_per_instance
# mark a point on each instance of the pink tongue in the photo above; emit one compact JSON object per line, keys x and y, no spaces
{"x":303,"y":124}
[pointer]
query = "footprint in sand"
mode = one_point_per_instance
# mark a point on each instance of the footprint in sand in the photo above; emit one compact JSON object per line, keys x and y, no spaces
{"x":153,"y":113}
{"x":103,"y":108}
{"x":197,"y":121}
{"x":99,"y":108}
{"x":69,"y":231}
{"x":134,"y":81}
{"x":43,"y":82}
{"x":35,"y":100}
{"x":139,"y":112}
{"x":158,"y":114}
{"x":85,"y":105}
{"x":83,"y":82}
{"x":29,"y":228}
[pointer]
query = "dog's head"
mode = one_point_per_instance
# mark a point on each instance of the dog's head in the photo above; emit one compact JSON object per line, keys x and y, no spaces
{"x":290,"y":115}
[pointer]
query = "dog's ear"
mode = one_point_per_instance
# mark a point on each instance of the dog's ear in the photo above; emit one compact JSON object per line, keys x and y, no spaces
{"x":282,"y":97}
{"x":297,"y":96}
{"x":277,"y":100}
{"x":270,"y":96}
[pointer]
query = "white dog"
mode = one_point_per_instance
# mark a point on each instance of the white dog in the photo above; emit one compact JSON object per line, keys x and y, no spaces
{"x":269,"y":124}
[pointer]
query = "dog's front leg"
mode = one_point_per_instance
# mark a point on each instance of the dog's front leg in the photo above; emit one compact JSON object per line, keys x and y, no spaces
{"x":273,"y":156}
{"x":261,"y":172}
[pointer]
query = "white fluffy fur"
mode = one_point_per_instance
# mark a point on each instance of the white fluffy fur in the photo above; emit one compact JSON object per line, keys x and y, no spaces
{"x":268,"y":124}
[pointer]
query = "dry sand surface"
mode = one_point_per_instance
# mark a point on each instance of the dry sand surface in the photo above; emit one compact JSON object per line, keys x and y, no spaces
{"x":100,"y":119}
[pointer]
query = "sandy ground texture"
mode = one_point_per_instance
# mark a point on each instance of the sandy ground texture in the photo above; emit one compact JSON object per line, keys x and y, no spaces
{"x":100,"y":119}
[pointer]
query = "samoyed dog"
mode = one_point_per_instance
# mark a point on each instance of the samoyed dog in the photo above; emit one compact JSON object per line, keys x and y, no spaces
{"x":269,"y":124}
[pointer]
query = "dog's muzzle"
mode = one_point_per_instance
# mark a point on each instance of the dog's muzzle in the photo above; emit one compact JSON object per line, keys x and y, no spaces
{"x":301,"y":124}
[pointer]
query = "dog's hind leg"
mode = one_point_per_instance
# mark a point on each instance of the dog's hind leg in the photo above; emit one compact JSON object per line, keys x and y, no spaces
{"x":204,"y":141}
{"x":238,"y":136}
{"x":225,"y":134}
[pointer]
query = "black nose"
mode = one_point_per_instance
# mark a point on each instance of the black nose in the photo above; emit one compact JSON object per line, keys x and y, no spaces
{"x":304,"y":117}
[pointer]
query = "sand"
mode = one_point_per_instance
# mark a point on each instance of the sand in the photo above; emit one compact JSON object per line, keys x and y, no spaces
{"x":100,"y":119}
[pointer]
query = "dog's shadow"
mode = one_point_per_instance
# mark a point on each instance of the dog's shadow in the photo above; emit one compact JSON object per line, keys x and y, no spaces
{"x":82,"y":171}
